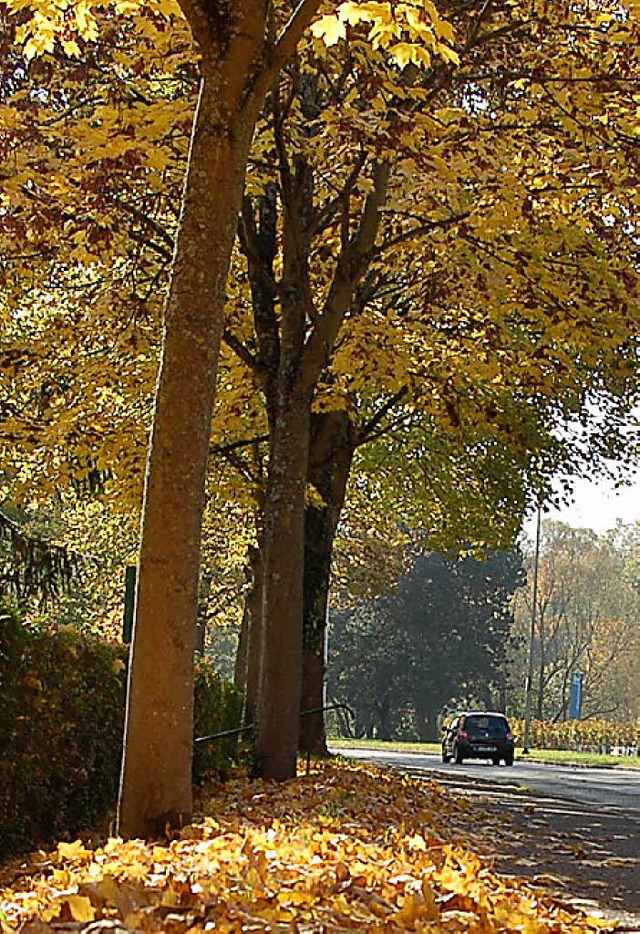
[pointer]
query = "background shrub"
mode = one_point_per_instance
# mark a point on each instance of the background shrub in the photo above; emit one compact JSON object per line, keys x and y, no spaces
{"x":61,"y":725}
{"x":217,"y":708}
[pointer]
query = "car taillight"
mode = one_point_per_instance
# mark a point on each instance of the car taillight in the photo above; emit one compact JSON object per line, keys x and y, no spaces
{"x":509,"y":735}
{"x":463,"y":734}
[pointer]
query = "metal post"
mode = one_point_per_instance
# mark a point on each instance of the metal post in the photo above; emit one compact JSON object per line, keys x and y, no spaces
{"x":532,"y":633}
{"x":129,"y":601}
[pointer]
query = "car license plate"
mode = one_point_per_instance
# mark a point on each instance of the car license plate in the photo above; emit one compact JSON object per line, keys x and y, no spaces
{"x":486,"y":748}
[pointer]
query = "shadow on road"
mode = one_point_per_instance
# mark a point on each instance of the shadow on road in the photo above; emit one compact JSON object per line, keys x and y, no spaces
{"x":584,"y":853}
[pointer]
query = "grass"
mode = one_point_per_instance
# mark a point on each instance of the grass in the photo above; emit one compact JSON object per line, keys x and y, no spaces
{"x":569,"y":757}
{"x":560,"y":756}
{"x":426,"y":749}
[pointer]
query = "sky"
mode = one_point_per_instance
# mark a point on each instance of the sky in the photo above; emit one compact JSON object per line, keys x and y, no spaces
{"x":597,"y":505}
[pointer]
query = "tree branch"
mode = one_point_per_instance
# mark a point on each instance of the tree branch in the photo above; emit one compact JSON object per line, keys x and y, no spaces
{"x":421,"y":229}
{"x":225,"y":449}
{"x":244,"y":354}
{"x":366,"y":432}
{"x":351,"y":265}
{"x":286,"y":43}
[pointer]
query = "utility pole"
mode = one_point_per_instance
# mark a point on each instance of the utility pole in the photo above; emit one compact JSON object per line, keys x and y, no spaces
{"x":532,"y":633}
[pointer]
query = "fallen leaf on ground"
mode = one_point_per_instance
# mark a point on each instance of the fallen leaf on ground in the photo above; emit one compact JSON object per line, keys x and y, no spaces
{"x":346,"y":848}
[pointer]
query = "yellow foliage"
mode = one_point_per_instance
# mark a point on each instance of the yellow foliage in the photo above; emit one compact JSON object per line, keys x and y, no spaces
{"x":405,"y":30}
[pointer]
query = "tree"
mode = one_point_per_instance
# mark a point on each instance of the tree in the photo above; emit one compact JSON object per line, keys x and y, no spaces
{"x":442,"y":636}
{"x":523,"y":354}
{"x":240,"y":53}
{"x":450,"y":489}
{"x":31,"y":563}
{"x":507,"y":248}
{"x":586,"y":621}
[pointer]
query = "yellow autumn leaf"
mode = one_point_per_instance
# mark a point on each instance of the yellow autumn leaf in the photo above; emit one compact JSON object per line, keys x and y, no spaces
{"x":80,"y":907}
{"x":353,"y":13}
{"x":75,"y":850}
{"x":71,"y":48}
{"x":410,"y":912}
{"x":403,"y":52}
{"x":431,"y":909}
{"x":330,"y":29}
{"x":448,"y":54}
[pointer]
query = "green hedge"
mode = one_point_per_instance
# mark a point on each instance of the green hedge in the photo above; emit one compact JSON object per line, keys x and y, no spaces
{"x":61,"y":724}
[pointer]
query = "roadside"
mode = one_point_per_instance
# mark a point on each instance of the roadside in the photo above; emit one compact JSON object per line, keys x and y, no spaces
{"x":585,"y":854}
{"x":548,"y":756}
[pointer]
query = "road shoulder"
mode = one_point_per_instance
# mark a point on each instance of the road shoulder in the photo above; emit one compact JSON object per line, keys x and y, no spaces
{"x":586,"y":854}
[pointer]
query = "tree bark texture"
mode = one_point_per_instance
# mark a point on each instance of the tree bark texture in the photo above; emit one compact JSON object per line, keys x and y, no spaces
{"x":333,"y":441}
{"x":252,"y":633}
{"x":155,"y":790}
{"x":281,"y":668}
{"x":238,"y":60}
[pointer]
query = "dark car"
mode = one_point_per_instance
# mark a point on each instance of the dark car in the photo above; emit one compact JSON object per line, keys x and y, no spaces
{"x":478,"y":735}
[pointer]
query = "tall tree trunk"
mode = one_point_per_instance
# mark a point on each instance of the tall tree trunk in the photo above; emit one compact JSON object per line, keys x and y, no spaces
{"x":155,"y":787}
{"x":330,"y":458}
{"x":253,"y":613}
{"x":281,"y":668}
{"x":238,"y":62}
{"x":242,"y":652}
{"x":290,"y":366}
{"x":240,"y":671}
{"x":426,"y":713}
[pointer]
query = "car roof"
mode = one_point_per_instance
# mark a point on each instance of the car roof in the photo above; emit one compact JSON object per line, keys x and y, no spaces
{"x":482,"y":713}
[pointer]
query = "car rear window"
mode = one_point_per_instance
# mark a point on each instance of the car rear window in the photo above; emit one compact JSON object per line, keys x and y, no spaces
{"x":495,"y":726}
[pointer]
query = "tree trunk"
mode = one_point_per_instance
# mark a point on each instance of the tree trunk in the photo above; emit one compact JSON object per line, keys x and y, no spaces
{"x":330,"y":458}
{"x":241,"y":667}
{"x":281,"y":669}
{"x":425,"y":725}
{"x":242,"y":652}
{"x":238,"y":61}
{"x":203,"y":609}
{"x":155,"y":790}
{"x":254,"y":634}
{"x":384,"y":722}
{"x":291,"y":366}
{"x":312,"y":733}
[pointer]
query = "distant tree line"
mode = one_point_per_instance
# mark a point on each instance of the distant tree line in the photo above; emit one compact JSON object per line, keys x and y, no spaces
{"x":442,"y":637}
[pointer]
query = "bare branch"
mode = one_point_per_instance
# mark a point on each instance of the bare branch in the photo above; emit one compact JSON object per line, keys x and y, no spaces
{"x":225,"y":449}
{"x":417,"y":231}
{"x":146,"y":220}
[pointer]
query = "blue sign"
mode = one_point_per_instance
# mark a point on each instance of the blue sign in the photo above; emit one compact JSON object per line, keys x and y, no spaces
{"x":575,"y":704}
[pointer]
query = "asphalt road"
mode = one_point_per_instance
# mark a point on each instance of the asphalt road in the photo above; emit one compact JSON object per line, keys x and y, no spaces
{"x":613,"y":788}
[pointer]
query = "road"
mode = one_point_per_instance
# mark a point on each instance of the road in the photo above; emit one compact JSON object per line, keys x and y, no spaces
{"x":619,"y":787}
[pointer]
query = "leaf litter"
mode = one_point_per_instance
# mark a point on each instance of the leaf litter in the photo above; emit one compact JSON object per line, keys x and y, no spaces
{"x":347,"y":847}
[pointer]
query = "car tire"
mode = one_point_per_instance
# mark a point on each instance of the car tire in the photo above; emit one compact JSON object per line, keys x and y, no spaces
{"x":496,"y":760}
{"x":458,"y":756}
{"x":509,"y":760}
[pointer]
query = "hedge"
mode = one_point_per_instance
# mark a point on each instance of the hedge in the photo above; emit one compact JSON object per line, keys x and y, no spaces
{"x":590,"y":735}
{"x":61,"y":726}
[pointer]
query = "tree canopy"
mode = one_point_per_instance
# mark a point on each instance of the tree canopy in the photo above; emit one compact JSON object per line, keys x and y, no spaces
{"x":428,"y":237}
